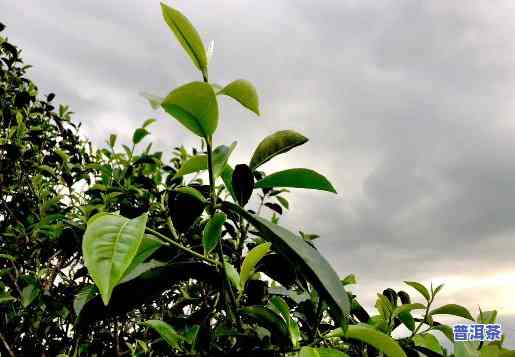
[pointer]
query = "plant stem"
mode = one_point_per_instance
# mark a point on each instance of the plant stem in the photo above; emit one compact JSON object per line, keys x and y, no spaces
{"x":180,"y":246}
{"x":425,"y":317}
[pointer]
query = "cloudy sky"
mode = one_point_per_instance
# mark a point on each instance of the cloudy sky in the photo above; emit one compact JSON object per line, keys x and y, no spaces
{"x":408,"y":106}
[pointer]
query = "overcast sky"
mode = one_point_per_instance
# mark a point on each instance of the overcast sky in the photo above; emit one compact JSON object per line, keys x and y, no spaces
{"x":408,"y":106}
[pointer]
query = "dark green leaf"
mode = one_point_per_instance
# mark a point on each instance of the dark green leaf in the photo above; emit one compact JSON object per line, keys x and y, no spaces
{"x":300,"y":178}
{"x":308,"y":259}
{"x":242,"y":183}
{"x":28,"y":294}
{"x":195,"y":106}
{"x":139,"y":134}
{"x":85,"y":294}
{"x":275,"y":144}
{"x":244,"y":92}
{"x":268,"y":319}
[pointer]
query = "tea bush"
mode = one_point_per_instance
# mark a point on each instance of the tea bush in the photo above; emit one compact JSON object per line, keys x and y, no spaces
{"x":118,"y":251}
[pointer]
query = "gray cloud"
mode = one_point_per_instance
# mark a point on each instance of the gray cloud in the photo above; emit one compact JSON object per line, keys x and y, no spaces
{"x":407,"y":106}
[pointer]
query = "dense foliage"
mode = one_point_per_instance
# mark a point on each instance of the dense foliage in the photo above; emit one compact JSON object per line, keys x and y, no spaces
{"x":119,"y":251}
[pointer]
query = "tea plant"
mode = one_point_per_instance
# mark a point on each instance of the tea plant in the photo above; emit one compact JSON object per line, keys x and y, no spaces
{"x":118,"y":251}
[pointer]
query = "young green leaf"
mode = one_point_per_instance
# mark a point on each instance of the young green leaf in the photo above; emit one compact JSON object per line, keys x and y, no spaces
{"x":110,"y":244}
{"x":349,"y":279}
{"x":420,"y":288}
{"x":187,"y":36}
{"x":309,"y":260}
{"x":195,"y":106}
{"x":233,"y":275}
{"x":283,"y":202}
{"x":148,"y":122}
{"x":242,"y":184}
{"x":227,"y":179}
{"x":407,"y":307}
{"x":139,"y":134}
{"x":213,"y":232}
{"x":244,"y":92}
{"x":193,"y":164}
{"x":166,"y":332}
{"x":452,"y":309}
{"x":300,"y":178}
{"x":376,"y":339}
{"x":251,"y":260}
{"x":220,"y":157}
{"x":154,"y":100}
{"x":275,"y":144}
{"x":282,"y":308}
{"x":112,"y":140}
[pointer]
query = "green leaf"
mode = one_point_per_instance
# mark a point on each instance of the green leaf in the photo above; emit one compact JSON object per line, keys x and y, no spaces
{"x":300,"y":178}
{"x":193,"y":164}
{"x":85,"y":295}
{"x":227,"y":179}
{"x":487,"y":317}
{"x":154,"y":100}
{"x":376,"y":339}
{"x":110,"y":244}
{"x":465,"y":349}
{"x":330,"y":352}
{"x":438,"y":288}
{"x":139,"y":134}
{"x":244,"y":92}
{"x":148,"y":122}
{"x":192,"y":192}
{"x":28,"y":294}
{"x":293,"y":327}
{"x":233,"y":275}
{"x":420,"y":288}
{"x":213,"y":232}
{"x":407,"y":307}
{"x":283,"y":202}
{"x":112,"y":140}
{"x":148,"y":246}
{"x":268,"y":319}
{"x":220,"y":157}
{"x":349,"y":279}
{"x":7,"y":257}
{"x":489,"y":351}
{"x":452,"y":309}
{"x":428,"y":341}
{"x":140,"y":269}
{"x":5,"y":297}
{"x":195,"y":106}
{"x":307,"y":351}
{"x":249,"y":263}
{"x":308,"y":259}
{"x":187,"y":36}
{"x":275,"y":144}
{"x":407,"y":319}
{"x":242,"y":183}
{"x":446,"y":330}
{"x":166,"y":332}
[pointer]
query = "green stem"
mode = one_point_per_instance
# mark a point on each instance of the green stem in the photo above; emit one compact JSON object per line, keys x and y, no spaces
{"x":181,"y":247}
{"x":425,"y":317}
